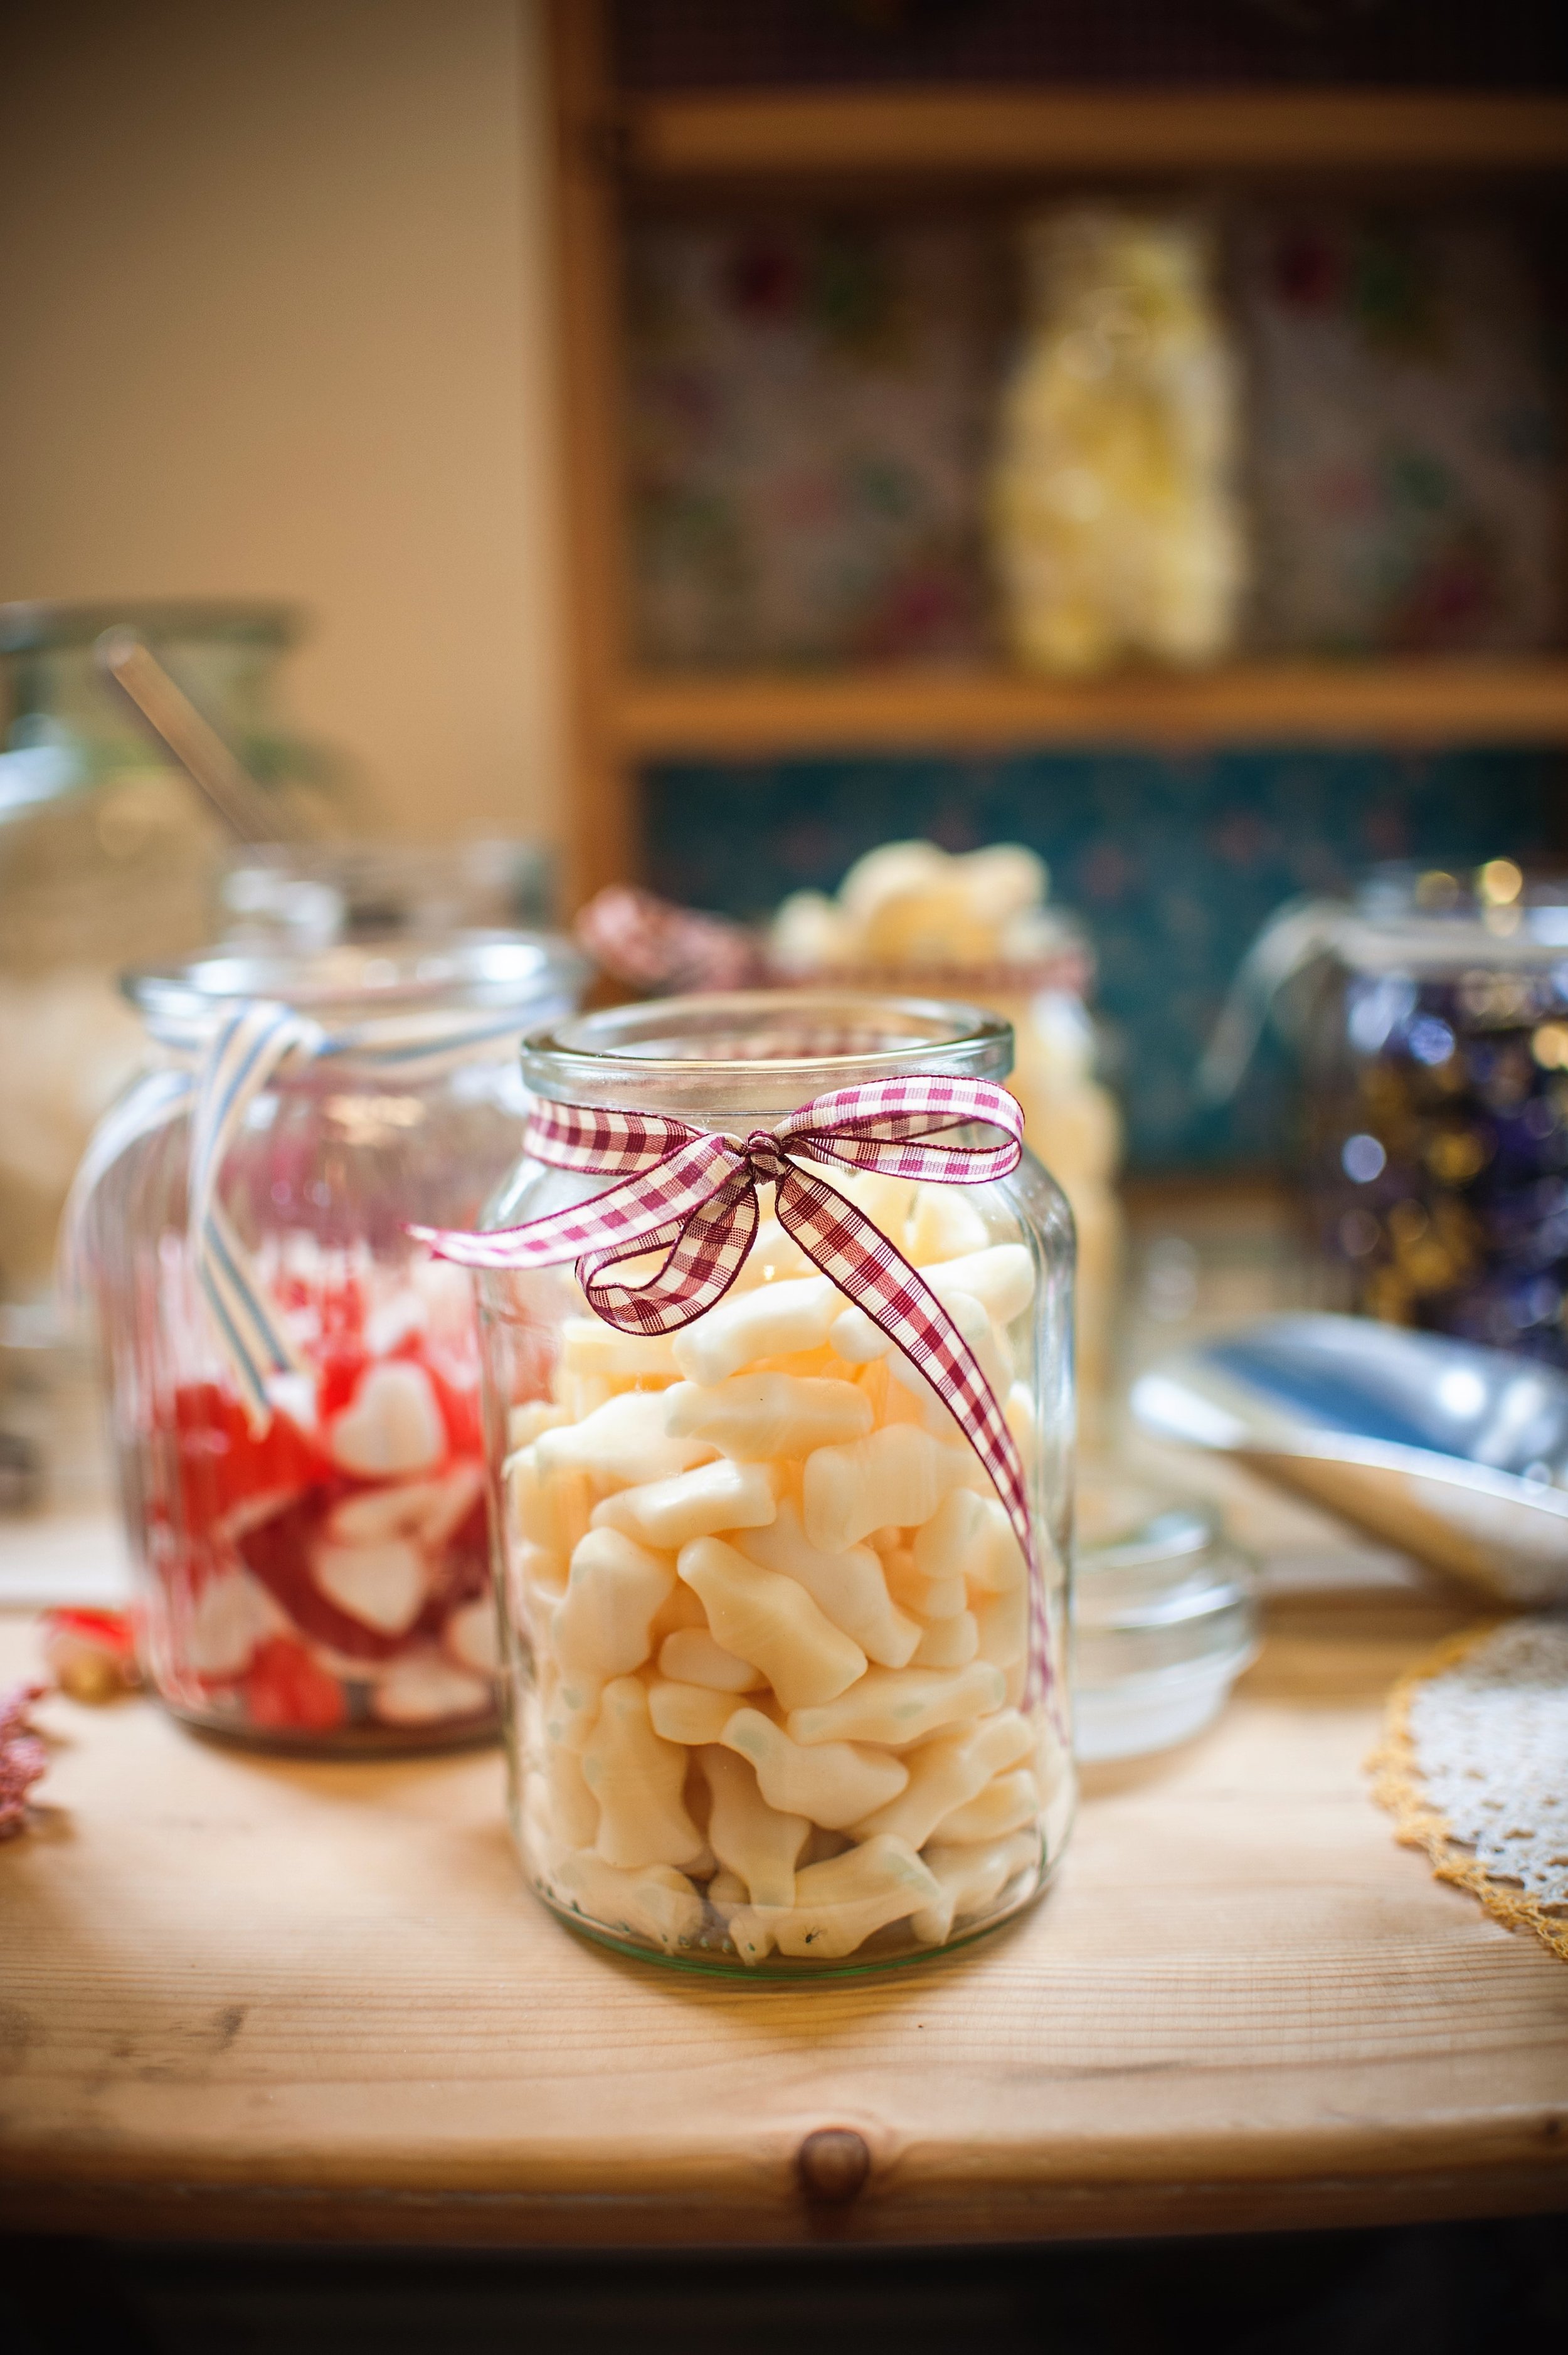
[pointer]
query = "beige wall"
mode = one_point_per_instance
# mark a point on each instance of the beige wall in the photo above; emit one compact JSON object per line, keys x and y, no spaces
{"x":273,"y":320}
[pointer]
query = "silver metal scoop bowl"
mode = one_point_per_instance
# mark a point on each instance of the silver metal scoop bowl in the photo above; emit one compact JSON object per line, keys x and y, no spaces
{"x":1457,"y":1454}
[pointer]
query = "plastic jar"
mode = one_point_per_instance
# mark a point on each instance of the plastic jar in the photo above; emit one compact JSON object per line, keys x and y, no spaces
{"x":294,"y":1383}
{"x":781,"y":1695}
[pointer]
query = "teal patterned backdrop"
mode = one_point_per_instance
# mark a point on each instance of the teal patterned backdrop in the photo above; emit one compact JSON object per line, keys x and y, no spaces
{"x":1171,"y":864}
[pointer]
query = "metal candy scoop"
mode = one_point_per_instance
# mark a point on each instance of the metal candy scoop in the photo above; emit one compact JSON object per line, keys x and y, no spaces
{"x":1457,"y":1455}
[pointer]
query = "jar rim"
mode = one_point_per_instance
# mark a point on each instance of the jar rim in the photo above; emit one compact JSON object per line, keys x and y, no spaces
{"x":360,"y":977}
{"x":759,"y":1049}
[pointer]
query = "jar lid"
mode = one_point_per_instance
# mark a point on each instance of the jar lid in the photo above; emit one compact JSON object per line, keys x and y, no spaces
{"x":1158,"y":1591}
{"x":757,"y":1051}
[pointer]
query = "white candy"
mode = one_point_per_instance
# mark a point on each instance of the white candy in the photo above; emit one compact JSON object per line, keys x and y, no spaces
{"x":835,"y":1784}
{"x":898,"y":1476}
{"x":755,"y":1416}
{"x":381,"y":1586}
{"x":588,"y":1348}
{"x":839,"y":1905}
{"x":625,"y":1443}
{"x":659,"y":1904}
{"x":637,"y":1778}
{"x":691,"y":1657}
{"x":948,"y":1772}
{"x":772,"y":1622}
{"x":1023,"y":1422}
{"x":751,"y":1839}
{"x":948,"y":1643}
{"x":690,"y":1714}
{"x":1004,"y":1626}
{"x":849,"y":1587}
{"x":569,"y":1706}
{"x":971,"y":1878}
{"x":942,"y":1225}
{"x":536,"y":1582}
{"x":1001,"y":1278}
{"x":769,"y":1322}
{"x":424,"y":1689}
{"x":426,"y":1512}
{"x":927,"y":1598}
{"x":573,"y":1810}
{"x":899,"y":1706}
{"x":1004,"y":1806}
{"x":774,"y":1258}
{"x":473,"y":1637}
{"x":970,"y":1537}
{"x":551,"y":1508}
{"x":232,"y":1613}
{"x":392,"y":1427}
{"x":615,"y":1589}
{"x":524,"y":1423}
{"x":670,"y":1513}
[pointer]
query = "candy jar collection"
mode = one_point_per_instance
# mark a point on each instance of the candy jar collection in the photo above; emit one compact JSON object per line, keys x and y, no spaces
{"x":783,"y":1489}
{"x":295,"y":1381}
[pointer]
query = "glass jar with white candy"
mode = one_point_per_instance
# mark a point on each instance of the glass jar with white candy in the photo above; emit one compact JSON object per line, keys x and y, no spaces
{"x":784,"y":1685}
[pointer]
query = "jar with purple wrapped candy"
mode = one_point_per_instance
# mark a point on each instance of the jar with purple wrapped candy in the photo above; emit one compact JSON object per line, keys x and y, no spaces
{"x":1436,"y":1046}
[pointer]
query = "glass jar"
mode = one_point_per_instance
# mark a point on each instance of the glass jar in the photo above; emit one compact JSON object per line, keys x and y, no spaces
{"x":308,"y":895}
{"x":1164,"y":1618}
{"x":782,"y":1696}
{"x":293,"y":1381}
{"x":1432,"y":1014}
{"x":1116,"y":526}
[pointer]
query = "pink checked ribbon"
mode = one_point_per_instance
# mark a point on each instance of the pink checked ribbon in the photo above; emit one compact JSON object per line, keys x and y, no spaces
{"x":693,"y":1196}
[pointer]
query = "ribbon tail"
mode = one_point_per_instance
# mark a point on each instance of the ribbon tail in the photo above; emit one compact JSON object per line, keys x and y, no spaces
{"x":861,"y":1261}
{"x":633,"y":1215}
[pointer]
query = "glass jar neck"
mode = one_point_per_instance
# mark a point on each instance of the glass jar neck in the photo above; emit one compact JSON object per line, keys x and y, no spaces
{"x":749,"y":1058}
{"x":423,"y":981}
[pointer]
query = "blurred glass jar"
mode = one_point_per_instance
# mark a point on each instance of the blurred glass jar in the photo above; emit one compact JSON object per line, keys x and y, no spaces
{"x":1432,"y":1014}
{"x":309,"y":895}
{"x":1116,"y":525}
{"x":911,"y":916}
{"x":688,"y":1624}
{"x":1164,"y":1618}
{"x":107,"y":859}
{"x":308,"y":1521}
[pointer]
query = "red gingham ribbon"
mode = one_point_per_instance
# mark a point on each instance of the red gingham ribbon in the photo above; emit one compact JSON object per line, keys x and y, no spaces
{"x":693,"y":1196}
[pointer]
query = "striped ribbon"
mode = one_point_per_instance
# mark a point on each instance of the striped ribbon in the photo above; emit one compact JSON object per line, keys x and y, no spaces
{"x":254,"y":1045}
{"x":694,"y":1197}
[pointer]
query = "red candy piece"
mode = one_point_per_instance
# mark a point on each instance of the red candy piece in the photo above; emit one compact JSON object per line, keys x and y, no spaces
{"x":284,"y":1689}
{"x":277,"y":1552}
{"x":223,"y":1463}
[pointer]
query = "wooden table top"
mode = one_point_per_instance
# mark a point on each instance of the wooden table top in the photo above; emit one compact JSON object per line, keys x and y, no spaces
{"x":258,"y":1999}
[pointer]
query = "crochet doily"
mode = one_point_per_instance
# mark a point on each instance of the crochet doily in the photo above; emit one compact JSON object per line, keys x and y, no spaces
{"x":1473,"y":1766}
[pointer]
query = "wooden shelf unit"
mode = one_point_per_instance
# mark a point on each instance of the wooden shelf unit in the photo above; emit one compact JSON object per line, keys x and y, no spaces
{"x":1415,"y":702}
{"x":1002,"y":133}
{"x":614,"y":150}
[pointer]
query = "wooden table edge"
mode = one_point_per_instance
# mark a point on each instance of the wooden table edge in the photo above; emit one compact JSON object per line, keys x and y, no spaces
{"x":926,"y":2215}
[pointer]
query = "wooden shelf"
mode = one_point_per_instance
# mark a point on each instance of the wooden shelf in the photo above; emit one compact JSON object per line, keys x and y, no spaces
{"x":1406,"y":702}
{"x":993,"y":133}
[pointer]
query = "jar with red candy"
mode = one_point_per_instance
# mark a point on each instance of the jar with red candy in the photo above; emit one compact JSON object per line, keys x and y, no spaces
{"x":293,"y":1381}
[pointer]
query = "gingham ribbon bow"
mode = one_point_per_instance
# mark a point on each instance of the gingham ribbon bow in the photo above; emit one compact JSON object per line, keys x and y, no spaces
{"x":693,"y":1196}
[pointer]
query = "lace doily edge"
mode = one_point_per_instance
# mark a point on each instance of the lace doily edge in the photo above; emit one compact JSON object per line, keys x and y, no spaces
{"x":1398,"y":1785}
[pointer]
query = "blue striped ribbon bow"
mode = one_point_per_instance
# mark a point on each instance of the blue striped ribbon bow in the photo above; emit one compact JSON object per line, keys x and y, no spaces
{"x":259,"y":1042}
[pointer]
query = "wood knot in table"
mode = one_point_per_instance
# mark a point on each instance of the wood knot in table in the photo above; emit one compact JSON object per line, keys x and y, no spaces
{"x":833,"y":2165}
